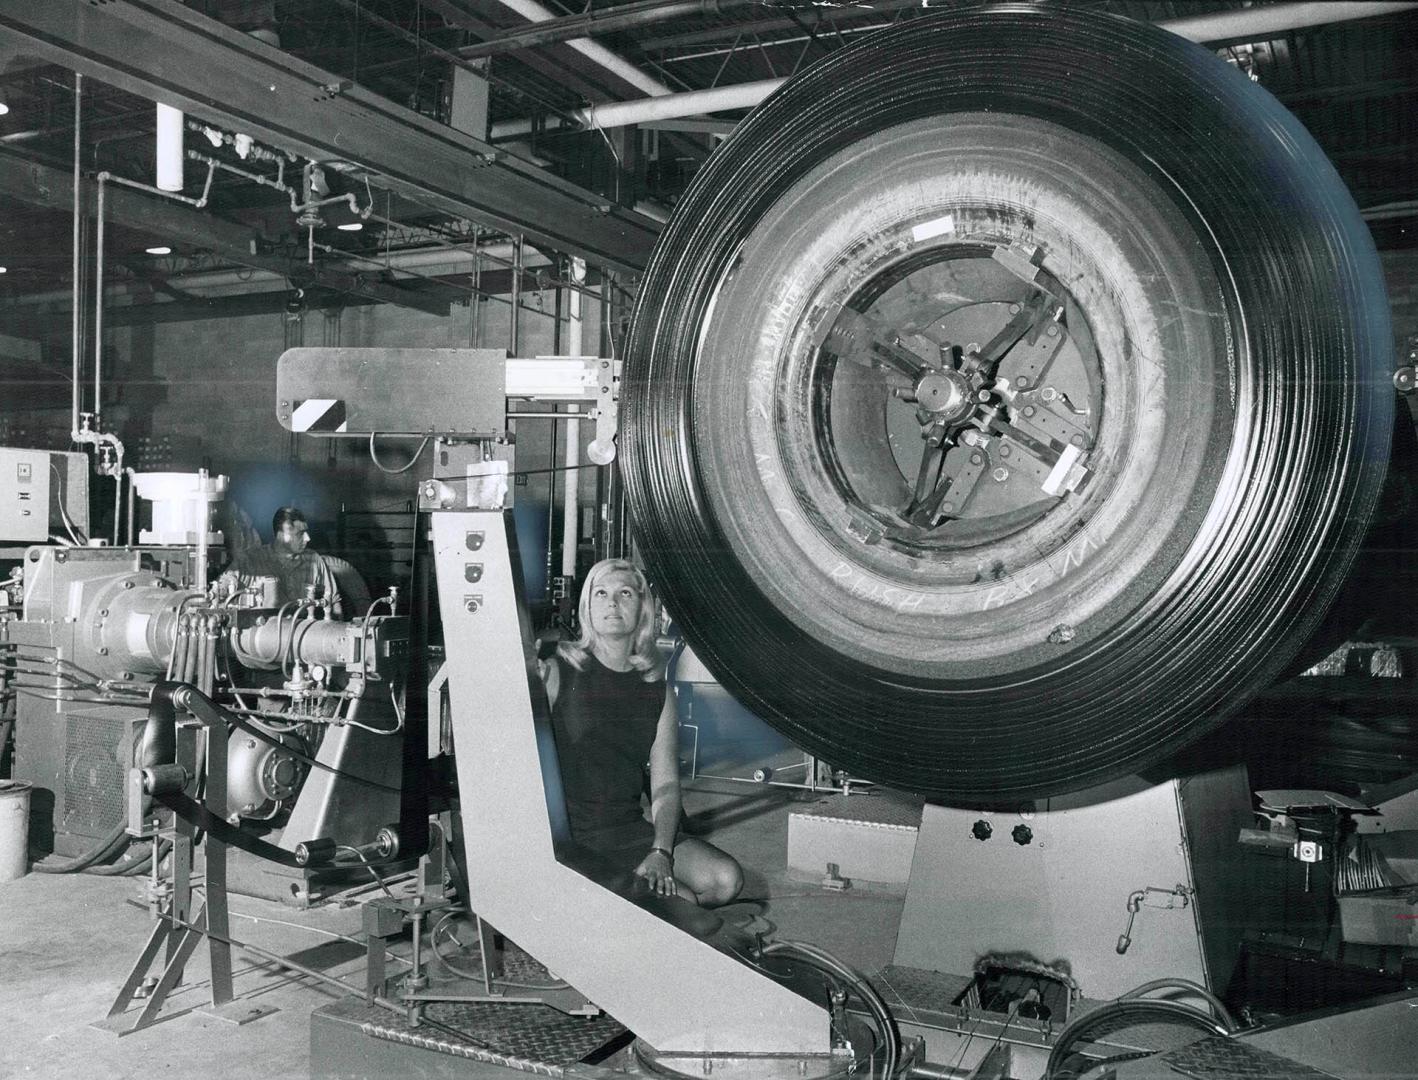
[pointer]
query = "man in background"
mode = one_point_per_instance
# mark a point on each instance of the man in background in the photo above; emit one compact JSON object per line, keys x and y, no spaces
{"x":289,"y":560}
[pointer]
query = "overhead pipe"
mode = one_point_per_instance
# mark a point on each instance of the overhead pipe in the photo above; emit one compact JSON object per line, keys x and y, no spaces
{"x":1260,"y":22}
{"x":1223,"y":26}
{"x":279,"y":183}
{"x":198,"y":203}
{"x":623,"y":17}
{"x":690,"y":103}
{"x":599,"y":54}
{"x":87,"y":429}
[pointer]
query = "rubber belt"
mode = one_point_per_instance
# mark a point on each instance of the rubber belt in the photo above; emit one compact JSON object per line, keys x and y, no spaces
{"x":189,"y":809}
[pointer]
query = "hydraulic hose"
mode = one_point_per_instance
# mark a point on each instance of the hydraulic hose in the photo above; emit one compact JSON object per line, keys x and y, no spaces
{"x":178,"y":660}
{"x":132,"y":867}
{"x":881,"y":1015}
{"x":112,"y":845}
{"x":1124,"y":1012}
{"x":1177,"y":983}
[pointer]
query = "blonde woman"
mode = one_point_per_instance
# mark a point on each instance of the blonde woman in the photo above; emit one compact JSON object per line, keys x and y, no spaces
{"x":611,"y":712}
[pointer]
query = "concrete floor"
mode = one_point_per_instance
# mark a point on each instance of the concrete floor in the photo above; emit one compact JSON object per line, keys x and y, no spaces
{"x":67,"y":943}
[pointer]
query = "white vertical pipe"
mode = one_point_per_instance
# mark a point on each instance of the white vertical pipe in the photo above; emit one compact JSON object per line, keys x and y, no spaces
{"x":77,"y":345}
{"x":171,"y":127}
{"x":98,"y":309}
{"x":204,"y":525}
{"x":571,"y":490}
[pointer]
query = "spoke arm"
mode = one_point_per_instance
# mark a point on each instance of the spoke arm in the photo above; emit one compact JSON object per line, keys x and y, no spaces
{"x":1027,"y":321}
{"x":856,"y":337}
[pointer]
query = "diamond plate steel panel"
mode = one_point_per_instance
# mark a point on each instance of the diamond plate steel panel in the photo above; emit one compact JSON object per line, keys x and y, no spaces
{"x":867,"y":809}
{"x":532,"y":1038}
{"x":913,"y":990}
{"x":1223,"y":1058}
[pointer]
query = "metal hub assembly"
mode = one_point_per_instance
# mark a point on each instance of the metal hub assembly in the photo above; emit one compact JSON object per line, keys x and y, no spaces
{"x":990,"y":404}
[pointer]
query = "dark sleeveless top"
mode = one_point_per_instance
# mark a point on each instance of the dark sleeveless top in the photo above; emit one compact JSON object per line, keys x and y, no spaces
{"x":605,"y":723}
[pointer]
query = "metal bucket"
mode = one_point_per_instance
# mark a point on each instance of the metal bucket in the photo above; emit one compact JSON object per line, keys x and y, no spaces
{"x":14,"y":829}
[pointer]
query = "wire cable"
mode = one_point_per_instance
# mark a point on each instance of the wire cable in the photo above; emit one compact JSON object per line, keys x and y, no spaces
{"x":333,"y":934}
{"x":889,"y":1035}
{"x":1115,"y":1015}
{"x":80,"y":540}
{"x":368,"y":866}
{"x":387,"y":470}
{"x":1177,"y":983}
{"x":441,"y":927}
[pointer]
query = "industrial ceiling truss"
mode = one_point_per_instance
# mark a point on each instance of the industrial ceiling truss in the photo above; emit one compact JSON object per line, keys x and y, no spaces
{"x":590,"y":121}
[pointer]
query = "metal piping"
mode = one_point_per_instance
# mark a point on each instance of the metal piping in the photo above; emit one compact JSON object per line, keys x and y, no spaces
{"x":623,"y":17}
{"x":514,"y":323}
{"x":132,"y":506}
{"x":197,"y":203}
{"x":616,"y":65}
{"x":571,"y":489}
{"x":76,"y":345}
{"x":98,"y":308}
{"x":1249,"y":22}
{"x":690,"y":103}
{"x":1264,"y":21}
{"x":204,"y":526}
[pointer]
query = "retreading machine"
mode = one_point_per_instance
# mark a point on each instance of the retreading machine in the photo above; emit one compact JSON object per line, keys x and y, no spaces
{"x":1042,"y":915}
{"x":1018,"y":927}
{"x":755,"y":1012}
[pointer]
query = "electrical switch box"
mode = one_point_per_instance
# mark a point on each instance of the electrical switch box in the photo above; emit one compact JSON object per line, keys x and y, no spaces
{"x":24,"y":496}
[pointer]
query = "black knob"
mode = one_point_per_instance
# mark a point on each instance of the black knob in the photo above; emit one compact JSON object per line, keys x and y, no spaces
{"x":1022,"y":834}
{"x":982,"y":830}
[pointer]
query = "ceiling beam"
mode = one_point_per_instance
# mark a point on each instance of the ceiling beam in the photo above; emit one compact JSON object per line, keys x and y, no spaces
{"x":45,"y":325}
{"x":50,"y":321}
{"x":175,"y":223}
{"x":164,"y":51}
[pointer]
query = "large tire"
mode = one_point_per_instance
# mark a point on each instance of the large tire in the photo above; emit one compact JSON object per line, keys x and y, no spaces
{"x":1227,"y":340}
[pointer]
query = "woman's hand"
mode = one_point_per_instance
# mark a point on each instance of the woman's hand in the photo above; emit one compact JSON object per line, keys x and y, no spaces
{"x":658,"y":870}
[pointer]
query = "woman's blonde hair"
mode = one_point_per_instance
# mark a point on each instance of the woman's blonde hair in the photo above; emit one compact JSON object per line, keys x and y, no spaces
{"x":644,"y":655}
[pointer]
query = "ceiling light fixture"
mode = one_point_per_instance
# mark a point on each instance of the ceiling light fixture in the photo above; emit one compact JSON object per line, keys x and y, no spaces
{"x":158,"y":250}
{"x":3,"y":269}
{"x":351,"y":226}
{"x":4,"y":108}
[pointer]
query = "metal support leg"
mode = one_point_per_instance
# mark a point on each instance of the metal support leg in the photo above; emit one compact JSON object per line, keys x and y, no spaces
{"x":178,"y":929}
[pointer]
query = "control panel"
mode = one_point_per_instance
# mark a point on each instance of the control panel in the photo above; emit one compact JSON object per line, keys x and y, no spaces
{"x":24,"y":495}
